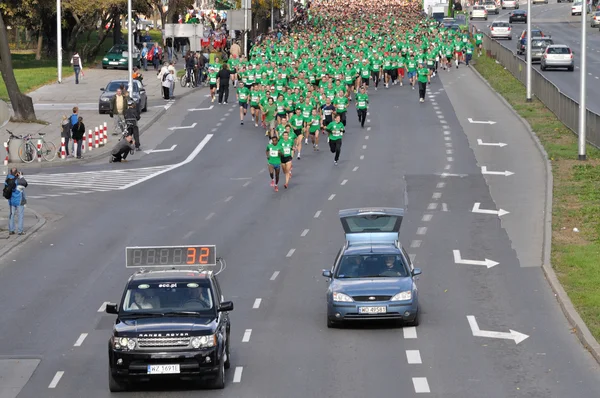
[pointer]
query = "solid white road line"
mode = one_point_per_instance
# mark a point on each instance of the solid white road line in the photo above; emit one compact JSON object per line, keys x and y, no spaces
{"x":257,"y":303}
{"x":427,"y":217}
{"x":421,"y":385}
{"x":275,"y":275}
{"x":303,"y":234}
{"x":344,"y":182}
{"x":103,"y":306}
{"x":421,"y":230}
{"x":410,"y":332}
{"x":331,"y":197}
{"x":79,"y":341}
{"x":290,"y":253}
{"x":415,"y":243}
{"x":56,"y":379}
{"x":318,"y":213}
{"x":246,"y":337}
{"x":413,"y":357}
{"x":237,"y":375}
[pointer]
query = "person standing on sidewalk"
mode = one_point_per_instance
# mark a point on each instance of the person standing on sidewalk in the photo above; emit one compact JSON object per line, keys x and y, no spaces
{"x":15,"y":183}
{"x":171,"y":68}
{"x":117,"y":107}
{"x":78,"y":133}
{"x":77,"y":67}
{"x":167,"y":83}
{"x":65,"y":132}
{"x":223,"y":78}
{"x":145,"y":56}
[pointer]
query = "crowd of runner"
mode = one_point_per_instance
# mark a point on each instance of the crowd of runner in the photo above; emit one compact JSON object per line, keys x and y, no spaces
{"x":300,"y":86}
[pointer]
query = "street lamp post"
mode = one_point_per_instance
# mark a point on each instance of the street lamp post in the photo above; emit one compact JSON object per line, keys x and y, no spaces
{"x":59,"y":39}
{"x":129,"y":48}
{"x":582,"y":80}
{"x":528,"y":37}
{"x":247,"y":4}
{"x":272,"y":1}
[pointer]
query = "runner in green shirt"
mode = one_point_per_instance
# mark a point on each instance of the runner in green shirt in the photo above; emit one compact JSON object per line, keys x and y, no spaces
{"x":287,"y":145}
{"x":314,"y":128}
{"x":423,"y":76}
{"x":336,"y":131}
{"x":341,"y":106}
{"x":479,"y":41}
{"x":269,"y":109}
{"x":212,"y":81}
{"x":273,"y":153}
{"x":254,"y":104}
{"x":362,"y":102}
{"x":242,"y":96}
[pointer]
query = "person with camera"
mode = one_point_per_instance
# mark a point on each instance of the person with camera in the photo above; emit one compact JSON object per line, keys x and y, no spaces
{"x":14,"y":191}
{"x":131,"y":118}
{"x":122,"y":149}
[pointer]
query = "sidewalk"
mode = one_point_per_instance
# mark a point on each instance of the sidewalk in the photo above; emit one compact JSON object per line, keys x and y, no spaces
{"x":32,"y":222}
{"x":54,"y":100}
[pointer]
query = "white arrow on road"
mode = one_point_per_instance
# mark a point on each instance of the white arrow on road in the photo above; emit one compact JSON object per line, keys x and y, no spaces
{"x":183,"y":127}
{"x":500,"y":144}
{"x":488,"y":263}
{"x":513,"y":335}
{"x":499,"y":213}
{"x":481,"y":121}
{"x":161,"y":150}
{"x":505,"y":173}
{"x":201,"y":109}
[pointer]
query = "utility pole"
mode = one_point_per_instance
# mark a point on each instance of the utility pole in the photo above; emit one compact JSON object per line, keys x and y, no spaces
{"x":528,"y":48}
{"x":582,"y":80}
{"x":59,"y":39}
{"x":272,"y":2}
{"x":247,"y":4}
{"x":129,"y":48}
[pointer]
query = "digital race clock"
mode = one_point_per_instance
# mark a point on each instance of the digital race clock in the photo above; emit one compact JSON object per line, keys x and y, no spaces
{"x":171,"y":256}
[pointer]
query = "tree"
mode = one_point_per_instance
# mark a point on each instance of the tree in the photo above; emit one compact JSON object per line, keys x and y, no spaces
{"x":21,"y":103}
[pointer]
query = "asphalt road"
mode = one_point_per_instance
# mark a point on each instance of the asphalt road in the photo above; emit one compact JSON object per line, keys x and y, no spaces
{"x":555,"y":19}
{"x":424,"y":157}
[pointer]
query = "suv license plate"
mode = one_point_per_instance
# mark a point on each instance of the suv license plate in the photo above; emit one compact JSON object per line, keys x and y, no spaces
{"x":163,"y":369}
{"x":372,"y":310}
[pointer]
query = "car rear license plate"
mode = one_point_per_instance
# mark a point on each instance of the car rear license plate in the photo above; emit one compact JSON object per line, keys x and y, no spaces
{"x":163,"y":369}
{"x":113,"y":63}
{"x":372,"y":310}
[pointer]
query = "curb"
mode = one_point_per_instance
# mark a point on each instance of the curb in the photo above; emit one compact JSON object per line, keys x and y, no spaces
{"x":19,"y":240}
{"x":581,"y":330}
{"x":96,"y":153}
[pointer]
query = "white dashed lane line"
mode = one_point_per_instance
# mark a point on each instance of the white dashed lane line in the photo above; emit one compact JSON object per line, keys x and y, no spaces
{"x":355,"y":168}
{"x":410,"y":332}
{"x":440,"y":185}
{"x":80,"y":340}
{"x":211,"y":215}
{"x":331,"y":196}
{"x":421,"y":230}
{"x":246,"y":184}
{"x":237,"y":375}
{"x":318,"y":213}
{"x":303,"y":234}
{"x":421,"y":385}
{"x":432,"y":206}
{"x":275,"y":275}
{"x":415,"y":243}
{"x":436,"y":195}
{"x":413,"y":357}
{"x":444,"y":207}
{"x":56,"y":379}
{"x":364,"y":147}
{"x":257,"y":303}
{"x":362,"y":157}
{"x":344,"y":182}
{"x":427,"y":217}
{"x":290,"y":253}
{"x":450,"y":159}
{"x":247,"y":335}
{"x":228,"y":198}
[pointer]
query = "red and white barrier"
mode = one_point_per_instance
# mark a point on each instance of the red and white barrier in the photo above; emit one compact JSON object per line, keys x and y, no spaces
{"x":6,"y":158}
{"x":96,"y":138}
{"x":90,"y":140}
{"x":63,"y":151}
{"x":39,"y":151}
{"x":105,"y":139}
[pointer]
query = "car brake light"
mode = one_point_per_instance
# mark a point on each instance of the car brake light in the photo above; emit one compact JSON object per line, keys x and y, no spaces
{"x":509,"y":28}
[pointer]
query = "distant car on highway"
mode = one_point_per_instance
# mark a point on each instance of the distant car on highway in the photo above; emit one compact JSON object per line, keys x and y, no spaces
{"x":538,"y":47}
{"x":595,"y":20}
{"x":479,"y":12}
{"x":491,"y":7}
{"x":139,"y":95}
{"x":510,"y":4}
{"x":517,"y":16}
{"x":522,"y":43}
{"x":372,"y":277}
{"x":539,"y":2}
{"x":577,"y":8}
{"x":500,"y":30}
{"x":558,"y":56}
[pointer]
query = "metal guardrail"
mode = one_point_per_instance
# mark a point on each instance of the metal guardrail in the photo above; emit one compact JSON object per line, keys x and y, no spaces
{"x":564,"y":107}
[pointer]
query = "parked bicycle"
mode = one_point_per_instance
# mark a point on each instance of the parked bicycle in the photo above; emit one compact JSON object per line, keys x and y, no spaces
{"x":28,"y":150}
{"x":188,"y":78}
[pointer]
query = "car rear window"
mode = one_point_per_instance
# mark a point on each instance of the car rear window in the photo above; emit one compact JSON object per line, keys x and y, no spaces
{"x":500,"y":25}
{"x":559,"y":50}
{"x":478,"y":7}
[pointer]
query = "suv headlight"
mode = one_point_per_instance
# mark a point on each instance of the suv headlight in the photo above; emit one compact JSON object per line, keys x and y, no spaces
{"x":124,"y":343}
{"x":204,"y":341}
{"x":403,"y":296}
{"x":104,"y":59}
{"x":341,"y":297}
{"x":123,"y":60}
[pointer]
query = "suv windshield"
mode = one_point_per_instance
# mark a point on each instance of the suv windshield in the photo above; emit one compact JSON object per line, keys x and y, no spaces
{"x":114,"y":86}
{"x":540,"y":43}
{"x":372,"y":266}
{"x":168,"y":297}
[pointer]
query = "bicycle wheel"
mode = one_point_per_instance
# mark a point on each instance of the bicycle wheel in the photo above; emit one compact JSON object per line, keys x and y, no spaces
{"x":48,"y":151}
{"x":183,"y":80}
{"x":27,"y":152}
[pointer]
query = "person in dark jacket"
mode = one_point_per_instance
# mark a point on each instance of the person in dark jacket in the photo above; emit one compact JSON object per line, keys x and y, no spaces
{"x":131,"y":118}
{"x":65,"y":131}
{"x":223,"y":83}
{"x":190,"y":63}
{"x":17,"y":200}
{"x":78,"y":133}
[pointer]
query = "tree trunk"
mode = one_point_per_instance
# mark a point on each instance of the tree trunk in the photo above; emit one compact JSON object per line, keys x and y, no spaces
{"x":22,"y":104}
{"x":40,"y":42}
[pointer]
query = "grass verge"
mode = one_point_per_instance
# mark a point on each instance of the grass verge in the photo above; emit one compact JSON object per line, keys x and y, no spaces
{"x":32,"y":74}
{"x":576,"y":203}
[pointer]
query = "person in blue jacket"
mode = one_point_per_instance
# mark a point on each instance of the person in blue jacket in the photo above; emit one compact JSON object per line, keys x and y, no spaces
{"x":17,"y":200}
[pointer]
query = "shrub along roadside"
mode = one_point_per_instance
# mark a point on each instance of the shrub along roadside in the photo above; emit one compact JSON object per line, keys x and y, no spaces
{"x":576,"y":203}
